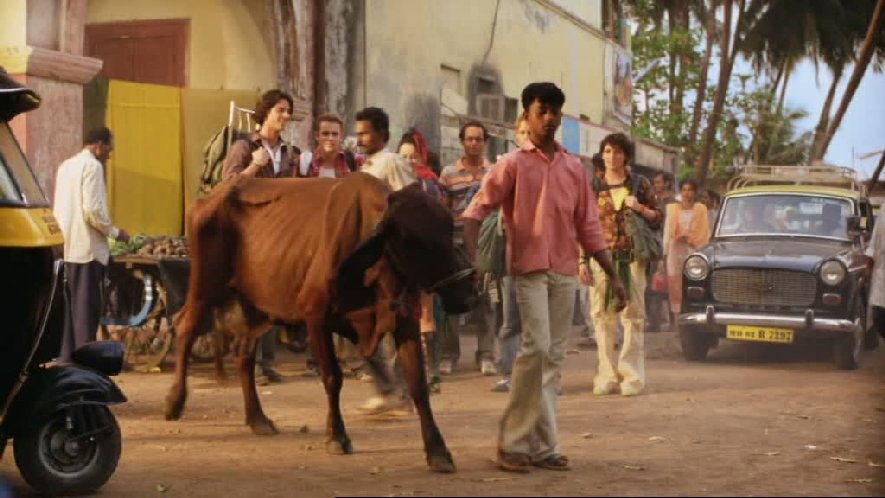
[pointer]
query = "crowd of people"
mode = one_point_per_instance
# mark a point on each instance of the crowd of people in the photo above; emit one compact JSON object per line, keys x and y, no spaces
{"x":575,"y":252}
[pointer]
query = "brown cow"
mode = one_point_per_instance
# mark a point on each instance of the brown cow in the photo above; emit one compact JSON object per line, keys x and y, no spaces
{"x":341,"y":255}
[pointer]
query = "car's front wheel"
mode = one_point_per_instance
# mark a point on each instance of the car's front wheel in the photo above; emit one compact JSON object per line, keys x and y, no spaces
{"x":848,"y":347}
{"x":695,"y":345}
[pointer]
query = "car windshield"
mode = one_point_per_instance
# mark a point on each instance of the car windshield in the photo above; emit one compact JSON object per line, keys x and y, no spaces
{"x":17,"y":182}
{"x":785,"y":214}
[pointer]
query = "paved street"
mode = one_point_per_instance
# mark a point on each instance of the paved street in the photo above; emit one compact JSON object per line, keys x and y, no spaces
{"x":752,"y":421}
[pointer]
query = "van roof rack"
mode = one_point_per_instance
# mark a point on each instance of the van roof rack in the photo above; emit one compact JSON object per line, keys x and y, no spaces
{"x":815,"y":174}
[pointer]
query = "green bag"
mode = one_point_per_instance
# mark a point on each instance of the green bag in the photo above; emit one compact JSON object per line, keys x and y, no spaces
{"x":647,"y":245}
{"x":491,"y":247}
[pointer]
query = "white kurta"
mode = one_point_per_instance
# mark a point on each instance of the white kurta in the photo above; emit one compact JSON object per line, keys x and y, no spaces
{"x":876,"y":250}
{"x":389,"y":168}
{"x":81,"y":208}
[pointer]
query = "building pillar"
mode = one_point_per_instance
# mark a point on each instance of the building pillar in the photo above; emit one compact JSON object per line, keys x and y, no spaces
{"x":41,"y":45}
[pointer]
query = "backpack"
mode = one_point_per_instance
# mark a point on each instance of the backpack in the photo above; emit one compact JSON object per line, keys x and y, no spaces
{"x":214,"y":152}
{"x":306,"y":159}
{"x":491,"y":246}
{"x":647,"y":244}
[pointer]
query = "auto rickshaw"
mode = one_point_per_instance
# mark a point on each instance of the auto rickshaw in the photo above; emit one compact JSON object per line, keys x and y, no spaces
{"x":66,"y":440}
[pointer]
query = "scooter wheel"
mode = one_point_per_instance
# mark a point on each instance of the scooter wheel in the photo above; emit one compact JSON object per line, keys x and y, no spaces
{"x":73,"y":452}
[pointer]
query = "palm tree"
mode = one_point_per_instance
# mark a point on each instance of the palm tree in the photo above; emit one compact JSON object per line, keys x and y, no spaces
{"x":872,"y":42}
{"x":790,"y":30}
{"x":705,"y":68}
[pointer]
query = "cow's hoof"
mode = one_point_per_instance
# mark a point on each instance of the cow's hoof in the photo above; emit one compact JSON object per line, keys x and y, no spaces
{"x":335,"y":447}
{"x":263,"y":427}
{"x":174,"y":407}
{"x":441,"y":463}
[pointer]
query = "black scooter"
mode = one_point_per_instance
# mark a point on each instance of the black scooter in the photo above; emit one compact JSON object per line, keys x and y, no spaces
{"x":66,"y":440}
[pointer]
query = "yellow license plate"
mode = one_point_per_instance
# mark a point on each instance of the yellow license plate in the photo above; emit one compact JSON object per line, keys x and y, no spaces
{"x":759,"y":334}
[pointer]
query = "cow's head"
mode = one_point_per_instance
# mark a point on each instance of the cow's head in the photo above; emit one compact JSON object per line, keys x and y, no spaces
{"x":415,"y":237}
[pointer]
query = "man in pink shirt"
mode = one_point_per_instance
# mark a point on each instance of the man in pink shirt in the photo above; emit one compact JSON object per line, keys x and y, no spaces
{"x":548,"y":205}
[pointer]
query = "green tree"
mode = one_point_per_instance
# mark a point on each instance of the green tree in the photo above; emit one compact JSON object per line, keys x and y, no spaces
{"x":872,"y":43}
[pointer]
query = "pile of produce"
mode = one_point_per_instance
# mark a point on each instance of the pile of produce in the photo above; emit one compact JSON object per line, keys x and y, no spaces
{"x":143,"y":245}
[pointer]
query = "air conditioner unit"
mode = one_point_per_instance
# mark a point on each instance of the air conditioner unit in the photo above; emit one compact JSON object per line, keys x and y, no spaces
{"x":491,"y":107}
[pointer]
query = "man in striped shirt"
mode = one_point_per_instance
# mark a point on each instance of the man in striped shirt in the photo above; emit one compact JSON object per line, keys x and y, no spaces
{"x":458,"y":181}
{"x":467,"y":173}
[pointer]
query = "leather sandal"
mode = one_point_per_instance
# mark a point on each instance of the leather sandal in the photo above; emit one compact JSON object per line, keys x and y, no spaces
{"x":553,"y":462}
{"x":514,"y":462}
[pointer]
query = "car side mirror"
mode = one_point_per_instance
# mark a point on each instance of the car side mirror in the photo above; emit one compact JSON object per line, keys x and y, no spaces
{"x":857,"y":225}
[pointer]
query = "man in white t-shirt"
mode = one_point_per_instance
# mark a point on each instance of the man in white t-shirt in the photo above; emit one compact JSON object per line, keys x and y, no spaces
{"x":372,"y":135}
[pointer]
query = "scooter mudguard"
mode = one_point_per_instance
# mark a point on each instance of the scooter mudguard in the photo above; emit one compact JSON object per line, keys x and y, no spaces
{"x":48,"y":390}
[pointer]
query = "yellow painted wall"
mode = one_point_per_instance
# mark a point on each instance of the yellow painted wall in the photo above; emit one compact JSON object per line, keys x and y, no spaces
{"x":532,"y":42}
{"x":13,"y":23}
{"x":231,"y":41}
{"x":144,"y":172}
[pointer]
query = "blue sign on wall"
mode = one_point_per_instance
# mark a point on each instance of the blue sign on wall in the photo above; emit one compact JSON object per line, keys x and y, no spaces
{"x":571,"y":135}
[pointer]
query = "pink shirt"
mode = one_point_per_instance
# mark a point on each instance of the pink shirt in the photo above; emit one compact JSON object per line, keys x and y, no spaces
{"x":548,"y":206}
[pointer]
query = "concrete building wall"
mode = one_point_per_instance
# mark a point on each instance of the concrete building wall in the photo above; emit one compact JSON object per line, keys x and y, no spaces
{"x":414,"y":49}
{"x":231,"y":42}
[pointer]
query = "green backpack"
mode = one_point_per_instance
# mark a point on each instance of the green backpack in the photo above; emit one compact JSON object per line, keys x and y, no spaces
{"x":214,"y":152}
{"x":492,"y":246}
{"x":647,"y":244}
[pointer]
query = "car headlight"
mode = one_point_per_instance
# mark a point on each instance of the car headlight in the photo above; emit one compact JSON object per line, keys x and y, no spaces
{"x":832,"y":272}
{"x":696,"y":267}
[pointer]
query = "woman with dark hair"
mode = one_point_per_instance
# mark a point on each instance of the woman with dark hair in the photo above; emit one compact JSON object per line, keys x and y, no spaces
{"x":686,"y":228}
{"x":621,"y":201}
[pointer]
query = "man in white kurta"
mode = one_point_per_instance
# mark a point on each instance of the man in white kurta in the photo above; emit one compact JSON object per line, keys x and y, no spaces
{"x":372,"y":135}
{"x":80,"y":206}
{"x":876,"y":250}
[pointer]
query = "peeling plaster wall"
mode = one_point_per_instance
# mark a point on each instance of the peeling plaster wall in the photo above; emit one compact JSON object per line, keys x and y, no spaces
{"x":60,"y":116}
{"x":531,"y":42}
{"x":341,"y":31}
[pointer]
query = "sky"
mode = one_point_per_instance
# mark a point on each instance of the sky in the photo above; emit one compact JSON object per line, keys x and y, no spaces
{"x":863,"y":128}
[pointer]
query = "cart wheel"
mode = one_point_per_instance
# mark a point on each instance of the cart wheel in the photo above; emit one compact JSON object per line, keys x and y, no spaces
{"x":148,"y":345}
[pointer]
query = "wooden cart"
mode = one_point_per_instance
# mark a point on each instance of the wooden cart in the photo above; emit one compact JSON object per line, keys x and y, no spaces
{"x":142,"y":295}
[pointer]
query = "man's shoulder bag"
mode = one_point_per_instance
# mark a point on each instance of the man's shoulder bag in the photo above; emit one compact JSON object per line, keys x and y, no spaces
{"x":491,"y":246}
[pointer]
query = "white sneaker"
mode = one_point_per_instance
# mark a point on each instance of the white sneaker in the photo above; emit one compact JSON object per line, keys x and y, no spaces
{"x":385,"y":404}
{"x":487,"y":367}
{"x":445,"y":367}
{"x":604,"y":389}
{"x":630,"y":390}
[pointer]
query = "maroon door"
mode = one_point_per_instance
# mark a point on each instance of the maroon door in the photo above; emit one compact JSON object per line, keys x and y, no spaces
{"x":141,"y":51}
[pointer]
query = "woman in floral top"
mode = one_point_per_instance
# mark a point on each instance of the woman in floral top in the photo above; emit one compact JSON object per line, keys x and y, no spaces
{"x":615,"y":199}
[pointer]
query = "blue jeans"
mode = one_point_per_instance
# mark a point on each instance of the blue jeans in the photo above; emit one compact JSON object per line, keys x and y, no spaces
{"x":511,"y":327}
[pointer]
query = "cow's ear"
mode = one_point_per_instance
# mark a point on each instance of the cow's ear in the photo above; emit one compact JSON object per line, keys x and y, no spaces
{"x":351,"y":290}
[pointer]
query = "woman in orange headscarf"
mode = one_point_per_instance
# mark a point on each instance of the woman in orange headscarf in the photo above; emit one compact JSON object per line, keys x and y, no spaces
{"x":413,"y":148}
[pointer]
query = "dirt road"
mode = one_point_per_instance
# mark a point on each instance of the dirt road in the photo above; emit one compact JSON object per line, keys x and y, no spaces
{"x":752,"y":421}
